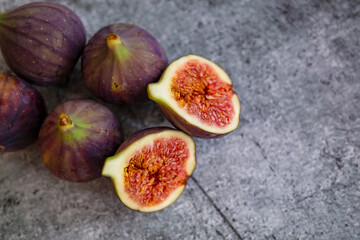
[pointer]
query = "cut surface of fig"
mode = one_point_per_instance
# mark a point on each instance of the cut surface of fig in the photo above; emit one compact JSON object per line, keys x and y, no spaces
{"x":77,"y":137}
{"x":119,"y":62}
{"x":197,"y":96}
{"x":151,"y":168}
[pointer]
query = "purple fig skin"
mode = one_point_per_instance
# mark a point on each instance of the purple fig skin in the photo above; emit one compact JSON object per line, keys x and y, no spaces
{"x":41,"y":42}
{"x":22,"y":111}
{"x":124,"y":79}
{"x":140,"y":134}
{"x":181,"y":124}
{"x":77,"y":152}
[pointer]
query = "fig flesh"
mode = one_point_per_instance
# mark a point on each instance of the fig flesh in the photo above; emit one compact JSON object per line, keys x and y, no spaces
{"x":150,"y":169}
{"x":119,"y":61}
{"x":197,"y":97}
{"x":41,"y":41}
{"x":22,"y":111}
{"x":76,"y":138}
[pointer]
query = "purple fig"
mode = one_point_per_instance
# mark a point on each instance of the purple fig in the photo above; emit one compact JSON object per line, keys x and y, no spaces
{"x":22,"y":111}
{"x":151,"y":168}
{"x":197,"y":96}
{"x":41,"y":41}
{"x":120,"y":61}
{"x":76,"y":138}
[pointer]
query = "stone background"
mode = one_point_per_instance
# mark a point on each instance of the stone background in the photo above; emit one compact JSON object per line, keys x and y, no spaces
{"x":291,"y":169}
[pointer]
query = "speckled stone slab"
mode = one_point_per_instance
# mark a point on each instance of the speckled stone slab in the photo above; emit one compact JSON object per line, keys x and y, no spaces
{"x":291,"y":169}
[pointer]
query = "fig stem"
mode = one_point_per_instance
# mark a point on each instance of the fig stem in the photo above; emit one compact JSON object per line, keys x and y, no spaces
{"x":113,"y":40}
{"x":115,"y":44}
{"x":65,"y":122}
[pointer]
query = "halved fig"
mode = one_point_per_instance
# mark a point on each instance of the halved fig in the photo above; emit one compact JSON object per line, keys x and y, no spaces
{"x":22,"y":111}
{"x":150,"y":169}
{"x":120,"y":61}
{"x":77,"y":137}
{"x":197,"y":96}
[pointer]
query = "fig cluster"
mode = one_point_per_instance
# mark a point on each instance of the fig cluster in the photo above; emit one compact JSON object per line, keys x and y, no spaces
{"x":81,"y":140}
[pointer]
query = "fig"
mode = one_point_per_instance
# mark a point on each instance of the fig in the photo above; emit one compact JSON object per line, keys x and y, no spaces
{"x":197,"y":97}
{"x":150,"y":169}
{"x":41,"y":41}
{"x":120,"y":61}
{"x":77,"y":137}
{"x":22,"y":111}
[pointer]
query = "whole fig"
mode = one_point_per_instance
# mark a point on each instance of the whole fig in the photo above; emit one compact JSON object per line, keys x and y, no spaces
{"x":76,"y":138}
{"x":120,"y":61}
{"x":22,"y":111}
{"x":41,"y":41}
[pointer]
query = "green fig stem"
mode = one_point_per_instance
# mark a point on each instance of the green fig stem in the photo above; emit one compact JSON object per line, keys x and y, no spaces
{"x":115,"y":44}
{"x":113,"y":40}
{"x":65,"y":122}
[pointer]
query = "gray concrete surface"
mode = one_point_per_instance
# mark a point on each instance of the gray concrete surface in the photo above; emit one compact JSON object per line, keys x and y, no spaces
{"x":291,"y":169}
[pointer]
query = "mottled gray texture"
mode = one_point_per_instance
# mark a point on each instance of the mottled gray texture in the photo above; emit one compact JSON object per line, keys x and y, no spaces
{"x":290,"y":171}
